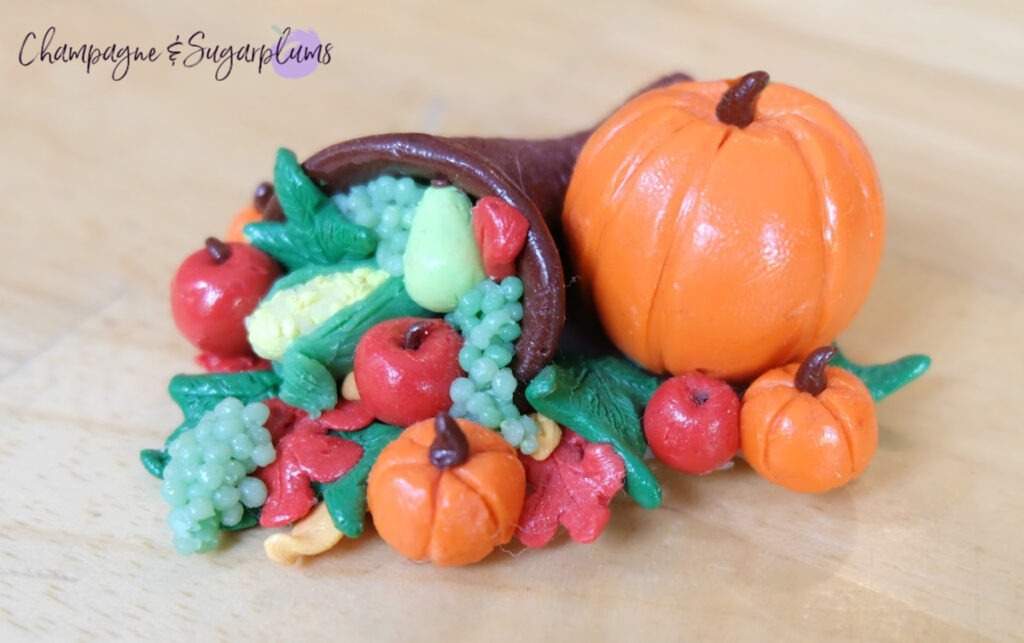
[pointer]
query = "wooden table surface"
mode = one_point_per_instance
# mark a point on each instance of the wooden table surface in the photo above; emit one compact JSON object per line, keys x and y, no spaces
{"x":107,"y":184}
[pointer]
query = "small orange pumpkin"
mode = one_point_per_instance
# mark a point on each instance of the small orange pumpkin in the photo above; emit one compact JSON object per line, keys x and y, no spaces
{"x":807,"y":427}
{"x":446,"y":491}
{"x":724,"y":227}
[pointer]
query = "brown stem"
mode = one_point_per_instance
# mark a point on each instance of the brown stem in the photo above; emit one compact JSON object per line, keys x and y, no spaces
{"x":450,"y":447}
{"x":219,"y":251}
{"x":810,"y":377}
{"x":264,"y":193}
{"x":415,"y":335}
{"x":440,"y":182}
{"x":738,"y":102}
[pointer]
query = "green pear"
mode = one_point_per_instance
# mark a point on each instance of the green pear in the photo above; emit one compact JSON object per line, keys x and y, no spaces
{"x":442,"y":260}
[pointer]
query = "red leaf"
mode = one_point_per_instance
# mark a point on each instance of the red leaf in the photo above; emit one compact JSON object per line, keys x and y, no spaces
{"x":573,"y":486}
{"x":282,"y":418}
{"x":289,"y":496}
{"x":349,"y":415}
{"x":323,"y":458}
{"x":500,"y":232}
{"x":305,"y":453}
{"x":213,"y":363}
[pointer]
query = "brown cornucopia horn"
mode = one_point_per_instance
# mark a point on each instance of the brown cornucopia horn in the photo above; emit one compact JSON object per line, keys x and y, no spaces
{"x":531,"y":175}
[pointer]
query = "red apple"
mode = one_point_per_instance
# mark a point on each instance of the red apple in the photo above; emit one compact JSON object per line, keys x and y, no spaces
{"x":213,"y":292}
{"x":692,"y":423}
{"x":404,"y":368}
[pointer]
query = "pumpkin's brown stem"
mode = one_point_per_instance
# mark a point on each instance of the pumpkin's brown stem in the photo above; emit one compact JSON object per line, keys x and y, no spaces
{"x":810,"y":377}
{"x":219,"y":251}
{"x":737,"y":104}
{"x":415,"y":335}
{"x":450,"y":447}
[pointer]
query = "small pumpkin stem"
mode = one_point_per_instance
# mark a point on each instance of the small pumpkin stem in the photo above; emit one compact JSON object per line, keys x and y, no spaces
{"x":450,"y":447}
{"x":810,"y":377}
{"x":415,"y":335}
{"x":219,"y":251}
{"x":737,"y":104}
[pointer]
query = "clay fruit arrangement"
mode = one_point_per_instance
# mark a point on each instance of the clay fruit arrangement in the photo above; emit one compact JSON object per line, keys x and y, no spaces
{"x":692,"y":423}
{"x":759,"y":243}
{"x":404,"y":367}
{"x":215,"y":289}
{"x":807,"y":426}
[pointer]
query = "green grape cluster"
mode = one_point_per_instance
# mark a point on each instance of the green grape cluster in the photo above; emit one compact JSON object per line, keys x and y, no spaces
{"x":386,"y":205}
{"x":206,"y":481}
{"x":488,"y":318}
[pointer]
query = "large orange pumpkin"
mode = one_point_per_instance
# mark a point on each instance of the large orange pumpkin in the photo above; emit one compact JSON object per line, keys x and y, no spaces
{"x":726,"y":227}
{"x":446,"y":491}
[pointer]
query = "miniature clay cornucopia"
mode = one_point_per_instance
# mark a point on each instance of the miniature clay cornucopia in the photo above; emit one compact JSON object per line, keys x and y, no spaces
{"x":531,"y":175}
{"x":333,"y":387}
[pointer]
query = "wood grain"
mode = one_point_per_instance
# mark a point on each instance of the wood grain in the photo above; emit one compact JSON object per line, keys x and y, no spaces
{"x":107,"y":185}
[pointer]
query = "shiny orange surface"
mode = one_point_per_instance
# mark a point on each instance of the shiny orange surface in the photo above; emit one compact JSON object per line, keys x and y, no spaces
{"x":450,"y":517}
{"x":731,"y":251}
{"x":804,"y":442}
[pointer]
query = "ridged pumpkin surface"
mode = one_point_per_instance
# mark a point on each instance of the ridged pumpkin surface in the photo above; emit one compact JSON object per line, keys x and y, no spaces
{"x":454,"y":516}
{"x":804,"y":442}
{"x":706,"y":246}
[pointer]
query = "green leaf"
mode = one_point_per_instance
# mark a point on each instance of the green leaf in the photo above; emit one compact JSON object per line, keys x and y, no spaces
{"x":198,"y":394}
{"x":300,"y":198}
{"x":346,"y":496}
{"x":306,"y":383}
{"x":314,"y":231}
{"x":329,"y":349}
{"x":602,"y":399}
{"x":154,"y":460}
{"x":885,"y":379}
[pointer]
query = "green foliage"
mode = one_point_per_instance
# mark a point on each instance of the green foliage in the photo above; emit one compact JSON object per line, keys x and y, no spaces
{"x":314,"y":232}
{"x":196,"y":395}
{"x":346,"y":496}
{"x":602,"y":399}
{"x":885,"y":379}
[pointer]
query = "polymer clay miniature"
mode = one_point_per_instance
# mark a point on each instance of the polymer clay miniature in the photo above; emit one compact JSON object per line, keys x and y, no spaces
{"x":807,"y":426}
{"x":446,"y":491}
{"x":720,"y":230}
{"x":760,"y":243}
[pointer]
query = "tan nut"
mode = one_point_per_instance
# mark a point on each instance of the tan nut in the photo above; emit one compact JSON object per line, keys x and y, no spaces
{"x":312,"y":535}
{"x":348,"y":388}
{"x":549,"y":434}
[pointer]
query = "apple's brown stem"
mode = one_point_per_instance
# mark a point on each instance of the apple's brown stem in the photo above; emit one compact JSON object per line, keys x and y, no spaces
{"x":738,"y":102}
{"x":450,"y":447}
{"x":700,"y":399}
{"x":810,"y":377}
{"x":440,"y":182}
{"x":415,"y":335}
{"x":219,"y":251}
{"x":264,"y":193}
